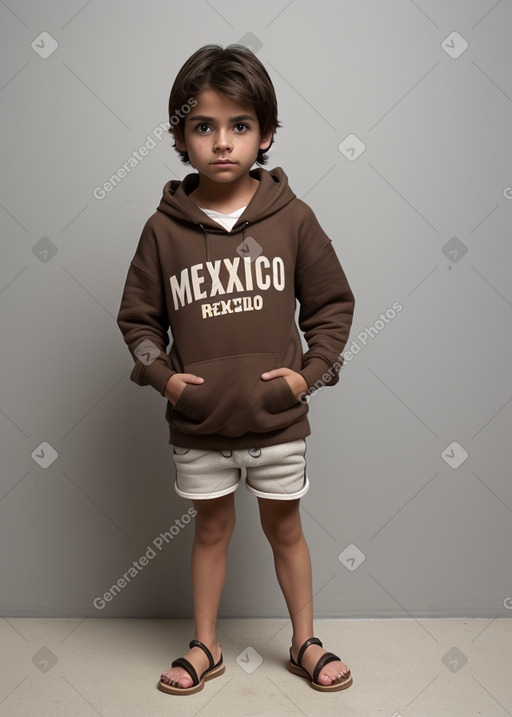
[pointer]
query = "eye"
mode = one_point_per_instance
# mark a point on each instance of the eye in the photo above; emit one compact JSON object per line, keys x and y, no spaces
{"x":203,"y":128}
{"x":241,"y":127}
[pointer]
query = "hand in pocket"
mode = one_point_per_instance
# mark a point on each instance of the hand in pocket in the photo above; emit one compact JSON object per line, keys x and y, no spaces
{"x":295,"y":381}
{"x":176,"y":385}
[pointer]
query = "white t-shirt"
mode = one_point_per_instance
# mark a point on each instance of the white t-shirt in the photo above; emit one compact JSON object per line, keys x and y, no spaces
{"x":228,"y":221}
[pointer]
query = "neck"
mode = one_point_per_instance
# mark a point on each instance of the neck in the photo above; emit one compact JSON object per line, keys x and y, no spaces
{"x":225,"y":197}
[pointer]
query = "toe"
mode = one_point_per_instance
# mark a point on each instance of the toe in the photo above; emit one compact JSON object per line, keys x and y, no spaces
{"x":334,"y":673}
{"x":185,"y":682}
{"x":324,"y":679}
{"x":175,"y":679}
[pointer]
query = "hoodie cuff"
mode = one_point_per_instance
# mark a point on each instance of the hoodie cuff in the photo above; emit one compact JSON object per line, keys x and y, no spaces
{"x":156,"y":375}
{"x":318,"y":373}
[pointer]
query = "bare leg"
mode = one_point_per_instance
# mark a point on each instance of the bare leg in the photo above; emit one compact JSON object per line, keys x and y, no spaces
{"x":281,"y":523}
{"x":214,"y":525}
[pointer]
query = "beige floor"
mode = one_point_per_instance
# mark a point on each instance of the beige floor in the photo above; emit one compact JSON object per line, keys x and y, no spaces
{"x":401,"y":668}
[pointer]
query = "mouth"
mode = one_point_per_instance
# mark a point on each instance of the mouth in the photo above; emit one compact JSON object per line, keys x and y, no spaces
{"x":221,"y":162}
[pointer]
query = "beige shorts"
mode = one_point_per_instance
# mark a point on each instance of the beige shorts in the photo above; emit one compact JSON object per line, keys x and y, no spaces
{"x":277,"y":472}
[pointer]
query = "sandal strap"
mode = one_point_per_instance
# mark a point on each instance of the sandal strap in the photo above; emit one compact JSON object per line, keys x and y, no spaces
{"x":198,"y":643}
{"x":183,"y":662}
{"x":310,"y":641}
{"x":322,"y":662}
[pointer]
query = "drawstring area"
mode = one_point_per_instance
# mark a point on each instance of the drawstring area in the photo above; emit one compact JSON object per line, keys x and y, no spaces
{"x":207,"y":240}
{"x":206,"y":243}
{"x":244,"y":228}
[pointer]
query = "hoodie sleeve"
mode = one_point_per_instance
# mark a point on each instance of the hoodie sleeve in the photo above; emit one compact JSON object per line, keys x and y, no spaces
{"x":326,"y":304}
{"x":143,"y":318}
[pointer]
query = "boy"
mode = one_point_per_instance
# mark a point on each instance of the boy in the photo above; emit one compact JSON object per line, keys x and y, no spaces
{"x":222,"y":263}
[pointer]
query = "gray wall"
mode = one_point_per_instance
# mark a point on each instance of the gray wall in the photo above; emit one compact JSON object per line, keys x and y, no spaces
{"x":421,"y":219}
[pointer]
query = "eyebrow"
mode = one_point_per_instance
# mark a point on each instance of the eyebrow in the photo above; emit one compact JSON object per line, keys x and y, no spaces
{"x":204,"y":118}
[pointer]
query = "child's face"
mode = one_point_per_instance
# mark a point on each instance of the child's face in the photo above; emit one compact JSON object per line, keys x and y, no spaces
{"x":222,"y":137}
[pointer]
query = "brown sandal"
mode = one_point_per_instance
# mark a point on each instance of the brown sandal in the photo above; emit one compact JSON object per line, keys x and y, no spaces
{"x":297,"y":669}
{"x":197,"y":682}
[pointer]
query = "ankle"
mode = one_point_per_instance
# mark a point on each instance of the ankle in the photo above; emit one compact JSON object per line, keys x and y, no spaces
{"x":296,"y":645}
{"x":209,"y":641}
{"x":299,"y":639}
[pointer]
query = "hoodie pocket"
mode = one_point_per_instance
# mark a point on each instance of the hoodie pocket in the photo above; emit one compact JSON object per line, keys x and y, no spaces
{"x":234,"y":400}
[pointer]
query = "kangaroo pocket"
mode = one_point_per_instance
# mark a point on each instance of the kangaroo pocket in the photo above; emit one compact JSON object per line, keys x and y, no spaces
{"x":234,"y":400}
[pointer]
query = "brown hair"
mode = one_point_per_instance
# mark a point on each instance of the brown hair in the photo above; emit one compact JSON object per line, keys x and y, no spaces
{"x":235,"y":72}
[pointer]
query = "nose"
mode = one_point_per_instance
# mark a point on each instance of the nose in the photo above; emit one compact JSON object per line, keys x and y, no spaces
{"x":222,"y":141}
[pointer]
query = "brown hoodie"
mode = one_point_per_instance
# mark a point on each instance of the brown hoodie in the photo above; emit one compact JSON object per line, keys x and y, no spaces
{"x":229,"y":299}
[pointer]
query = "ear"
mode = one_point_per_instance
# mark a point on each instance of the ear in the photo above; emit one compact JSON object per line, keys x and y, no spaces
{"x":266,"y":140}
{"x":180,"y":143}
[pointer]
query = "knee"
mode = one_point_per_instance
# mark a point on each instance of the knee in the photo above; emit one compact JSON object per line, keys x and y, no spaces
{"x":214,"y":529}
{"x":284,"y":532}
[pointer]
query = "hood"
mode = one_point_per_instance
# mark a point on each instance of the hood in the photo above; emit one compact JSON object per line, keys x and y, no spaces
{"x":272,"y":194}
